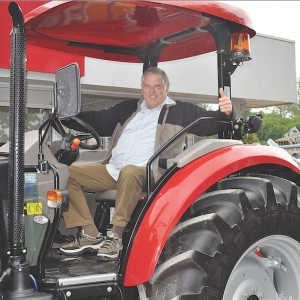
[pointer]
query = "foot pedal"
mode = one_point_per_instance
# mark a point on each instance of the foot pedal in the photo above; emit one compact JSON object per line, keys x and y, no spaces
{"x":61,"y":239}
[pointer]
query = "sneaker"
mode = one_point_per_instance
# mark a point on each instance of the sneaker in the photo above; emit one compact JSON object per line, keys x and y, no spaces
{"x":84,"y":243}
{"x":111,"y":248}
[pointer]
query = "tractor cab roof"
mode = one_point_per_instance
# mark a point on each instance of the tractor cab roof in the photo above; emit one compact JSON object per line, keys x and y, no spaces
{"x":132,"y":31}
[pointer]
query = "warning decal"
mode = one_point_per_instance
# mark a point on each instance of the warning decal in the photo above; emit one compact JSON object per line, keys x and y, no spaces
{"x":33,"y":208}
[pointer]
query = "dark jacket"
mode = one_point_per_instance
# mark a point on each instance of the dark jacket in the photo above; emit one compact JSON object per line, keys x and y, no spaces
{"x":172,"y":118}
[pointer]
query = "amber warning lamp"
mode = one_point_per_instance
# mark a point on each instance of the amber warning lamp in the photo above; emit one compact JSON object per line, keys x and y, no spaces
{"x":57,"y":198}
{"x":240,"y":46}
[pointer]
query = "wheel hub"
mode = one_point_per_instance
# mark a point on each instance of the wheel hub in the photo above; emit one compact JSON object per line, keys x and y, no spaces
{"x":270,"y":269}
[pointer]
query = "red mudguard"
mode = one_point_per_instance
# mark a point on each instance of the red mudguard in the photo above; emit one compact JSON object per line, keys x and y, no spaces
{"x":181,"y":191}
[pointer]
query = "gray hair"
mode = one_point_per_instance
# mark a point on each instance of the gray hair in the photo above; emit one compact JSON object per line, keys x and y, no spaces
{"x":158,"y":72}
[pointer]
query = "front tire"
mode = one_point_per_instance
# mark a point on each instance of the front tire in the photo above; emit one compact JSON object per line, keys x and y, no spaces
{"x":238,"y":242}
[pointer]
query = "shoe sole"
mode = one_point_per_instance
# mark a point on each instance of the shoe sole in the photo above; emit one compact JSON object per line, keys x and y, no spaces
{"x":89,"y":248}
{"x":107,"y":258}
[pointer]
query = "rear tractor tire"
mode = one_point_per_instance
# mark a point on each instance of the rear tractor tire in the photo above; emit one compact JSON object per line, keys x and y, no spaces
{"x":240,"y":242}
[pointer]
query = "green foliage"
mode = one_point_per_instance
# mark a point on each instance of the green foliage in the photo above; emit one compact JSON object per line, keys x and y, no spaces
{"x":205,"y":106}
{"x":250,"y":139}
{"x":33,"y":119}
{"x":277,"y":120}
{"x":274,"y":127}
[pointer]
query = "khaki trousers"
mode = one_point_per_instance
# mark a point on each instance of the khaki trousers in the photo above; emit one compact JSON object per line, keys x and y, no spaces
{"x":94,"y":178}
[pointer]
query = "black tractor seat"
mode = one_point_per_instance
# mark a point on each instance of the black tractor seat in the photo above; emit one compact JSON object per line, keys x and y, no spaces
{"x":105,"y":208}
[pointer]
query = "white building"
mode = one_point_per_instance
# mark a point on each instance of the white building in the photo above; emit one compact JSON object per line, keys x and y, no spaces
{"x":268,"y":79}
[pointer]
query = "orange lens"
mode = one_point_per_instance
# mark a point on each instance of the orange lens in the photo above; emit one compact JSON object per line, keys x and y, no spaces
{"x":240,"y":41}
{"x":54,"y":195}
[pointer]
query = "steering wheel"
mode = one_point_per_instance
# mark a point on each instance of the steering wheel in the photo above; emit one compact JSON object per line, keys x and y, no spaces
{"x":82,"y":137}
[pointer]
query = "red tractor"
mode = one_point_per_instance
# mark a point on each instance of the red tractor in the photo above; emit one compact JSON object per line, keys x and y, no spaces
{"x":221,"y":223}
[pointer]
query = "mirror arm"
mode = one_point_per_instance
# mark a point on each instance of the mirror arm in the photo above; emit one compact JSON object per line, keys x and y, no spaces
{"x":47,"y":123}
{"x":42,"y":163}
{"x":58,"y":127}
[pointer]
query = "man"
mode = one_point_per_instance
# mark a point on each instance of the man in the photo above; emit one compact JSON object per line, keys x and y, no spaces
{"x":138,"y":129}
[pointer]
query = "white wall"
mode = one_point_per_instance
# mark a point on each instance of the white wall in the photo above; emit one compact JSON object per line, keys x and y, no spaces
{"x":270,"y":75}
{"x":268,"y":79}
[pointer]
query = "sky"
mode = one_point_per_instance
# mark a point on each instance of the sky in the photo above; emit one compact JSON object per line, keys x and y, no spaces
{"x":275,"y":18}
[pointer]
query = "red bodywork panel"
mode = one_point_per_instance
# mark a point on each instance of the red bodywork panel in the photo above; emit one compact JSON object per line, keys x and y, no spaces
{"x":37,"y":58}
{"x":185,"y":186}
{"x":113,"y":30}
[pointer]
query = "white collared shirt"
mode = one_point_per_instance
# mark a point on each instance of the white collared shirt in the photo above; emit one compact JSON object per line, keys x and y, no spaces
{"x":136,"y":144}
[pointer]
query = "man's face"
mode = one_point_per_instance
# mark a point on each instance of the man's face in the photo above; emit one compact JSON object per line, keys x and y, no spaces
{"x":154,"y":91}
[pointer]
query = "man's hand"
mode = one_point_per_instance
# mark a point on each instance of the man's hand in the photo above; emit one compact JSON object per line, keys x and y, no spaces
{"x":225,"y":104}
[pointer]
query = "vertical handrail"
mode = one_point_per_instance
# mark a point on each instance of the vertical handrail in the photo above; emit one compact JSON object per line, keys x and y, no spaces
{"x":171,"y":141}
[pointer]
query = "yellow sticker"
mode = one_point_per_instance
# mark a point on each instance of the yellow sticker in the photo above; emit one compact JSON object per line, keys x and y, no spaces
{"x":33,"y":208}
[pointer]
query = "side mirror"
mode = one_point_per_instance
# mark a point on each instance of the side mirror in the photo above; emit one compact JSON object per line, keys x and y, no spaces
{"x":67,"y":95}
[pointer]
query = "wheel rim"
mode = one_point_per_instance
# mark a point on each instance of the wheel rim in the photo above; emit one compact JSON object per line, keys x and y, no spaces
{"x":269,"y":269}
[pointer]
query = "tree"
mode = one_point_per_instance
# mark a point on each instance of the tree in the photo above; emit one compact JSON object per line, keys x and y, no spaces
{"x":251,"y":139}
{"x":273,"y":126}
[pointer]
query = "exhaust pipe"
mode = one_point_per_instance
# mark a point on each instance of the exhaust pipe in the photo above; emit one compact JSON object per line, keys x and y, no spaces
{"x":19,"y":270}
{"x":17,"y":17}
{"x":16,"y":131}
